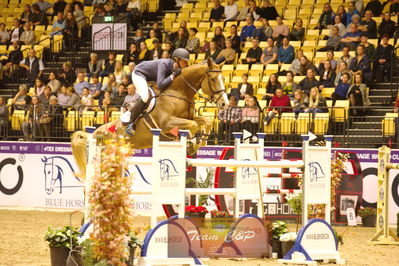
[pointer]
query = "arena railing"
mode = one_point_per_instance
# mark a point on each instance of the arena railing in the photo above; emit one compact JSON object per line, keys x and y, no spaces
{"x":394,"y":74}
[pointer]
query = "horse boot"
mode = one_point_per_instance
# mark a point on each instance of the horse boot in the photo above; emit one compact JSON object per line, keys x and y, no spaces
{"x":136,"y":110}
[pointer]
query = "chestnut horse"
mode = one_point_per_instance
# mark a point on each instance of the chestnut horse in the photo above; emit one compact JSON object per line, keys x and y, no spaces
{"x":174,"y":108}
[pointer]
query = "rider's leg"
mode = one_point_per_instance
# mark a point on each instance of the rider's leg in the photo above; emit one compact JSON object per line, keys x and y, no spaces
{"x":142,"y":90}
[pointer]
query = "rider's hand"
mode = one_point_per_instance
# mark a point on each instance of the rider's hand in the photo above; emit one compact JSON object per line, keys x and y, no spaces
{"x":177,"y":71}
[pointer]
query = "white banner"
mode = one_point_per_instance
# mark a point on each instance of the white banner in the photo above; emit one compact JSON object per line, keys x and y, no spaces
{"x":109,"y":36}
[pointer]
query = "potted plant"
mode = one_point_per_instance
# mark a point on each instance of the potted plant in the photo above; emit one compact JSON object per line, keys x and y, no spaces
{"x":133,"y":243}
{"x":220,"y":219}
{"x":295,"y":202}
{"x":196,"y":211}
{"x":61,"y":240}
{"x":278,"y":228}
{"x":287,"y":242}
{"x":368,"y":216}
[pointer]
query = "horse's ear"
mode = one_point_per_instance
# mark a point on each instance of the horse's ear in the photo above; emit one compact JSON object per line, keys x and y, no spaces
{"x":209,"y":62}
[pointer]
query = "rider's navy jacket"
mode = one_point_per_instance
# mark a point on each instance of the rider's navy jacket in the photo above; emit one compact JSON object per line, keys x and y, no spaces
{"x":156,"y":70}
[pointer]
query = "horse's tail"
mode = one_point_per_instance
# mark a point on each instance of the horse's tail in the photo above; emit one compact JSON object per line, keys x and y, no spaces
{"x":79,"y":145}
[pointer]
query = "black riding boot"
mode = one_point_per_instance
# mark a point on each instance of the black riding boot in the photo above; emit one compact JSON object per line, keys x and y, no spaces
{"x":135,"y":112}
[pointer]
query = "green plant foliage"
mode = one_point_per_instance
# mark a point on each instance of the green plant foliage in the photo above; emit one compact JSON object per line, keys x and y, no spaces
{"x":61,"y":237}
{"x":279,"y":228}
{"x":202,"y":183}
{"x":364,"y":212}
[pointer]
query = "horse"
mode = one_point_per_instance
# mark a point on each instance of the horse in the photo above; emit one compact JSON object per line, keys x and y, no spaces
{"x":174,"y":108}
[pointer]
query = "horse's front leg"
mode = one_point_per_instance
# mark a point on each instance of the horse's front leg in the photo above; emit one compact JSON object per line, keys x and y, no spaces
{"x":207,"y":124}
{"x":187,"y":124}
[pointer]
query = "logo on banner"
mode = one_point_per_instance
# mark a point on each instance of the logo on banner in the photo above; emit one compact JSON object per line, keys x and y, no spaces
{"x":12,"y":191}
{"x":246,"y":171}
{"x":167,"y":169}
{"x":315,"y":171}
{"x":55,"y":168}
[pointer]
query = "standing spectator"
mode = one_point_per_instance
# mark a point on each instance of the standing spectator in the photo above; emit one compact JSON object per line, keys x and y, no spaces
{"x":346,"y":56}
{"x":286,"y":53}
{"x":70,"y":32}
{"x":280,"y":31}
{"x":325,"y":19}
{"x":39,"y":87}
{"x":68,"y":75}
{"x":250,"y":116}
{"x":95,"y":87}
{"x":131,"y":96}
{"x":342,"y":69}
{"x":73,"y":100}
{"x":228,"y":53}
{"x":157,"y":30}
{"x":268,"y":11}
{"x":4,"y":34}
{"x":43,"y":5}
{"x":341,"y":89}
{"x":235,"y":39}
{"x":340,"y":25}
{"x":254,"y":10}
{"x":35,"y":113}
{"x":59,"y":6}
{"x":139,"y":36}
{"x":58,"y":25}
{"x":290,"y":85}
{"x":356,"y":94}
{"x":219,"y":38}
{"x":351,"y":38}
{"x":327,"y":76}
{"x":149,"y":41}
{"x":341,"y":12}
{"x":45,"y":96}
{"x":26,"y":15}
{"x":301,"y":102}
{"x":79,"y":15}
{"x":54,"y":83}
{"x":28,"y":36}
{"x":21,"y":99}
{"x":317,"y":103}
{"x":109,"y":64}
{"x":368,"y":26}
{"x":33,"y":65}
{"x":264,"y":32}
{"x":86,"y":100}
{"x":280,"y":103}
{"x":133,"y":55}
{"x":80,"y":84}
{"x":333,"y":41}
{"x":38,"y":16}
{"x":144,"y":54}
{"x":351,"y":11}
{"x":382,"y":60}
{"x":213,"y":51}
{"x":271,"y":87}
{"x":216,"y":12}
{"x":387,"y":26}
{"x":230,"y":119}
{"x":298,"y":31}
{"x":247,"y":30}
{"x":369,"y":48}
{"x":10,"y":67}
{"x":361,"y":65}
{"x":94,"y":66}
{"x":134,"y":13}
{"x":243,"y":12}
{"x":63,"y":96}
{"x":181,"y":40}
{"x":309,"y":82}
{"x":156,"y":52}
{"x":230,"y":10}
{"x":4,"y":120}
{"x":244,"y":88}
{"x":374,"y":6}
{"x":16,"y":32}
{"x":193,"y":42}
{"x":119,"y":72}
{"x":254,"y":54}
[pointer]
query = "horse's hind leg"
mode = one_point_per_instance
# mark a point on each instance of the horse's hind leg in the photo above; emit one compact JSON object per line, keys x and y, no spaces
{"x":187,"y":124}
{"x":206,"y":122}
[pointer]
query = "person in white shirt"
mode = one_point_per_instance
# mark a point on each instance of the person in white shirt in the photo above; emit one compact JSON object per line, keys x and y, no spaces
{"x":230,"y":10}
{"x":341,"y":27}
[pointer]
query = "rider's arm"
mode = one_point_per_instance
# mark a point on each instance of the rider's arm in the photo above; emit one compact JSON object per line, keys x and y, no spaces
{"x":162,"y":79}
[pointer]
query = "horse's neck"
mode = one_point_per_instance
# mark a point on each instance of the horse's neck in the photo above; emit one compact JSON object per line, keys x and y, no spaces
{"x":189,"y":81}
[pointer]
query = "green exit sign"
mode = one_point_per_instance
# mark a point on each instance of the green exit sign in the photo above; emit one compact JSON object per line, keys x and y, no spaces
{"x":108,"y":19}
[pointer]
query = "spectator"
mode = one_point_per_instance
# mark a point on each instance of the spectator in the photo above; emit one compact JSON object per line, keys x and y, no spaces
{"x":156,"y":52}
{"x":351,"y":11}
{"x":111,"y":85}
{"x":305,"y":65}
{"x":109,"y":64}
{"x":86,"y":100}
{"x":213,"y":51}
{"x":340,"y":25}
{"x":296,"y":64}
{"x":26,"y":15}
{"x":10,"y":66}
{"x":45,"y":96}
{"x":33,"y":65}
{"x":325,"y":19}
{"x":247,"y":30}
{"x":356,"y":94}
{"x":54,"y":83}
{"x":309,"y":82}
{"x":382,"y":60}
{"x":67,"y":76}
{"x":264,"y":32}
{"x":351,"y":38}
{"x":106,"y":101}
{"x":230,"y":11}
{"x":165,"y":54}
{"x":375,"y":7}
{"x":396,"y":107}
{"x":327,"y":76}
{"x":341,"y":12}
{"x":216,"y":12}
{"x":35,"y":112}
{"x":4,"y":118}
{"x":38,"y":88}
{"x":286,"y":53}
{"x":355,"y":21}
{"x":250,"y":116}
{"x":134,"y":13}
{"x":181,"y":40}
{"x":132,"y":55}
{"x":254,"y":54}
{"x":229,"y":53}
{"x":317,"y":103}
{"x":126,"y":81}
{"x":38,"y":16}
{"x":298,"y":31}
{"x":359,"y":6}
{"x":68,"y":9}
{"x":63,"y":96}
{"x":79,"y":15}
{"x":109,"y":9}
{"x":243,"y":13}
{"x":55,"y":113}
{"x":73,"y":100}
{"x":4,"y":34}
{"x":330,"y":58}
{"x":21,"y":99}
{"x":346,"y":56}
{"x":333,"y":41}
{"x":301,"y":102}
{"x":94,"y":66}
{"x":193,"y":42}
{"x":341,"y":89}
{"x":290,"y":85}
{"x":235,"y":39}
{"x":268,"y":11}
{"x":16,"y":32}
{"x":271,"y":87}
{"x":81,"y":84}
{"x":387,"y":26}
{"x":95,"y":87}
{"x":70,"y":32}
{"x":172,"y":36}
{"x":254,"y":10}
{"x":157,"y":30}
{"x":219,"y":38}
{"x":149,"y":41}
{"x":59,"y":6}
{"x":58,"y":25}
{"x":368,"y":47}
{"x":368,"y":26}
{"x":131,"y":68}
{"x":280,"y":103}
{"x":342,"y":69}
{"x":43,"y":5}
{"x":119,"y":72}
{"x":139,"y":36}
{"x":120,"y":8}
{"x":280,"y":31}
{"x":119,"y":98}
{"x":230,"y":119}
{"x":361,"y":65}
{"x":28,"y":36}
{"x":169,"y":47}
{"x":131,"y":96}
{"x":244,"y":88}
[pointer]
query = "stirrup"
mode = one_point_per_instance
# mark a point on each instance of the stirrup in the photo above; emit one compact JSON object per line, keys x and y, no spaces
{"x":130,"y":129}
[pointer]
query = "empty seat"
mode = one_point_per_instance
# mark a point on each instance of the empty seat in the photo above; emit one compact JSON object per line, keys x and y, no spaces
{"x":302,"y":123}
{"x":287,"y":122}
{"x":388,"y":124}
{"x":320,"y":123}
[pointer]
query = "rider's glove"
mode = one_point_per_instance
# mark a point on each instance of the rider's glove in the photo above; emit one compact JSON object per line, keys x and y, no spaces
{"x":177,"y":72}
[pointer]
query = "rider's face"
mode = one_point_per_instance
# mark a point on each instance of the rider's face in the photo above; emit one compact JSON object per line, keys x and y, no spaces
{"x":182,"y":63}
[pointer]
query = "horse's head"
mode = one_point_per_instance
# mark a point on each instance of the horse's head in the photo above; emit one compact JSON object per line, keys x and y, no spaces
{"x":48,"y":175}
{"x":213,"y":84}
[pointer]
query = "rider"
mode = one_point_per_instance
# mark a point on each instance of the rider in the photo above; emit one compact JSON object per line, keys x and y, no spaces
{"x":163,"y":71}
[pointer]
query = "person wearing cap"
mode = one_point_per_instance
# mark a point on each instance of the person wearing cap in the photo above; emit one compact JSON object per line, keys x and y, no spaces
{"x":156,"y":52}
{"x":161,"y":71}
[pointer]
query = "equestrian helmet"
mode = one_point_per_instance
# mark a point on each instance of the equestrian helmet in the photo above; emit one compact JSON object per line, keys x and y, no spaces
{"x":181,"y":53}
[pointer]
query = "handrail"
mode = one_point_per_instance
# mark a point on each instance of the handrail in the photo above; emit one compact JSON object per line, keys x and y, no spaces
{"x":94,"y":35}
{"x":393,"y":88}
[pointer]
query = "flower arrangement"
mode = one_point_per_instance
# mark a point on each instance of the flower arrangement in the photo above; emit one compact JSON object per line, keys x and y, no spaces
{"x":219,"y":214}
{"x":278,"y":228}
{"x":364,"y":212}
{"x":291,"y":236}
{"x":191,"y":209}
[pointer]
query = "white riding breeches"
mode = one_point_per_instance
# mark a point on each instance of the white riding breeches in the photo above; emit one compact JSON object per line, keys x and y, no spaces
{"x":141,"y":86}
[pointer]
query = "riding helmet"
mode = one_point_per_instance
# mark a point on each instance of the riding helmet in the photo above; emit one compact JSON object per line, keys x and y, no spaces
{"x":181,"y":53}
